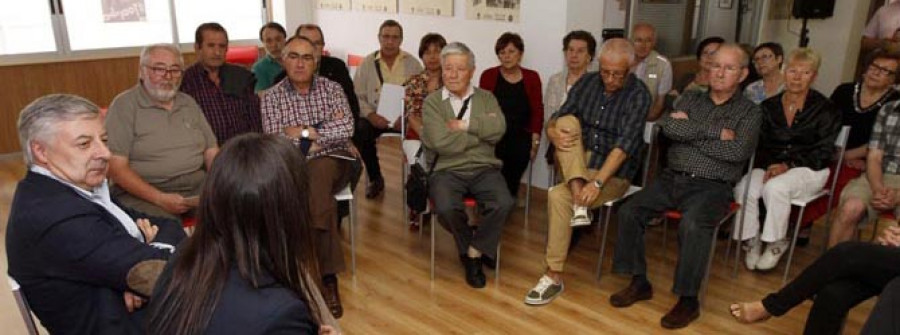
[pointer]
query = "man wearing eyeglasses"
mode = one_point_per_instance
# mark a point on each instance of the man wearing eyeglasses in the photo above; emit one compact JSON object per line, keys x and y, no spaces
{"x":596,"y":133}
{"x":224,"y":91}
{"x":313,"y":112}
{"x":159,"y":139}
{"x":387,"y":65}
{"x":712,"y":134}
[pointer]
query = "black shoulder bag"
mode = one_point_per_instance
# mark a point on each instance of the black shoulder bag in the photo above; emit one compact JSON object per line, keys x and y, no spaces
{"x":417,"y":182}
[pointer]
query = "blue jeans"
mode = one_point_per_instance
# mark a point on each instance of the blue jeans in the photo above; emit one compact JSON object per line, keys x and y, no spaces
{"x":702,"y":202}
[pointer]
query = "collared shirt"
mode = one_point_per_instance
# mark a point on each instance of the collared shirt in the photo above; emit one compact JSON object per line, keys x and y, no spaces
{"x":100,"y":196}
{"x":393,"y":75}
{"x":456,"y":102}
{"x":232,"y":107}
{"x":609,"y":121}
{"x":886,"y":137}
{"x":663,"y":74}
{"x":265,"y":70}
{"x":160,"y":144}
{"x":324,"y":107}
{"x":697,"y":147}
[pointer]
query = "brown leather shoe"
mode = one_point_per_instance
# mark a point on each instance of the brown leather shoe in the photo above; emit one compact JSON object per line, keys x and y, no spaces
{"x":680,"y":316}
{"x":332,"y":298}
{"x":631,"y":294}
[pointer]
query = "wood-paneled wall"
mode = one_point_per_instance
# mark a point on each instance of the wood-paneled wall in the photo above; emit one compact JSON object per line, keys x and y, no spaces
{"x":98,"y":80}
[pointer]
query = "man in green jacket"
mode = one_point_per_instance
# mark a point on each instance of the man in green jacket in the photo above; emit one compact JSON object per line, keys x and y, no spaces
{"x":462,"y":126}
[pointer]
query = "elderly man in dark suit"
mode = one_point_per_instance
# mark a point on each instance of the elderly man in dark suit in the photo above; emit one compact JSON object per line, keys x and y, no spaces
{"x":85,"y":264}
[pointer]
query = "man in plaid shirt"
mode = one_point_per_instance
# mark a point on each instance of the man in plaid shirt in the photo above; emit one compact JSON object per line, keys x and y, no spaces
{"x":313,"y":112}
{"x":713,"y":135}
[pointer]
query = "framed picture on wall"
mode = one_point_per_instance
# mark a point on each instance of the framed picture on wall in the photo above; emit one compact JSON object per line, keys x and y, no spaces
{"x":726,"y":4}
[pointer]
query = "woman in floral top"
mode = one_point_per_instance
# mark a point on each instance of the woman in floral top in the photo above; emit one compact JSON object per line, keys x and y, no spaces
{"x":418,"y":87}
{"x":421,"y":85}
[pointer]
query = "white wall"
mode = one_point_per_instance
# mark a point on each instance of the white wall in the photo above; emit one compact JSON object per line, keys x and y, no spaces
{"x":720,"y":22}
{"x":542,"y":25}
{"x":836,"y":38}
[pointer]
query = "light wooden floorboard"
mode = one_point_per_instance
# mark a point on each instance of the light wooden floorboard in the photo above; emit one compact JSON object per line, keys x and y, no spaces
{"x":392,"y":293}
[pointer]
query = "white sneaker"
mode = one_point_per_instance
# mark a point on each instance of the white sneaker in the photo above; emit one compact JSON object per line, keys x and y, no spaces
{"x":753,"y":249}
{"x":581,"y":217}
{"x":772,"y":255}
{"x":544,"y":292}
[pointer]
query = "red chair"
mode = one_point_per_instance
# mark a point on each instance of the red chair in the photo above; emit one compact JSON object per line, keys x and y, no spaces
{"x":242,"y":55}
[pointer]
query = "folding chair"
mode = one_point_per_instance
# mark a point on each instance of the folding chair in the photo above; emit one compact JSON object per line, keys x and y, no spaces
{"x":841,"y":144}
{"x":24,"y":309}
{"x":650,"y":133}
{"x":469,"y":203}
{"x":346,"y":194}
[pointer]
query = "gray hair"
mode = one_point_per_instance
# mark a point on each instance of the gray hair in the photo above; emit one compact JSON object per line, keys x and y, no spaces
{"x":37,"y":122}
{"x":458,"y":48}
{"x":745,"y":57}
{"x":145,"y":54}
{"x":616,"y":49}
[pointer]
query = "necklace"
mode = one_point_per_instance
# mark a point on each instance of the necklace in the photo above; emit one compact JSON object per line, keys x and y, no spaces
{"x":856,"y":100}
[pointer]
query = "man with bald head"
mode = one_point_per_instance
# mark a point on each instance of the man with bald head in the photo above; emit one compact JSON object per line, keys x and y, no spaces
{"x":651,"y":67}
{"x":713,"y":134}
{"x":596,"y":133}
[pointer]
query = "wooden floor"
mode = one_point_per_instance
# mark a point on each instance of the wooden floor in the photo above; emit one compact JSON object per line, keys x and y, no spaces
{"x":392,"y":293}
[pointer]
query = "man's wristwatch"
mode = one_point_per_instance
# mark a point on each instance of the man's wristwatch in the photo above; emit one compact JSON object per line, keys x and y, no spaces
{"x":304,"y":134}
{"x":598,"y":184}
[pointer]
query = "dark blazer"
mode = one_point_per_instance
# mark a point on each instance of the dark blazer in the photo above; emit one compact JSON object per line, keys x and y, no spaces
{"x":533,"y":90}
{"x":809,"y":142}
{"x":72,"y":257}
{"x":243,"y":309}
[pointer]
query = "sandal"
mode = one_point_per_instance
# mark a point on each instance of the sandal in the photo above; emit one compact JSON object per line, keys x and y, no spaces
{"x":739,"y":312}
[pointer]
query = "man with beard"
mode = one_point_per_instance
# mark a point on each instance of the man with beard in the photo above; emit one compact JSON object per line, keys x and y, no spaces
{"x":84,"y":262}
{"x":159,"y":139}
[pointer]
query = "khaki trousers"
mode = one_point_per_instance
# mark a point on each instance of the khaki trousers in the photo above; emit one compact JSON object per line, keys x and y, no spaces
{"x":573,"y":165}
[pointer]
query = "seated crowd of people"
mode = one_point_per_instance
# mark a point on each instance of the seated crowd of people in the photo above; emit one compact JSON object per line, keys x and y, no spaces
{"x":189,"y":143}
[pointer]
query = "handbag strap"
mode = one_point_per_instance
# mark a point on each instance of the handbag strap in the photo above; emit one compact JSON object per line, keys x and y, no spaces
{"x":378,"y":70}
{"x":459,"y":116}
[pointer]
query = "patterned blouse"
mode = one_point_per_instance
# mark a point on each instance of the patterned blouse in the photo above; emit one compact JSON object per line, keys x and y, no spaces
{"x":756,"y":91}
{"x":416,"y":92}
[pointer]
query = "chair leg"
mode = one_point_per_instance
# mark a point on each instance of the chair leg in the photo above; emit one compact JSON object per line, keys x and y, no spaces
{"x":787,"y":267}
{"x":665,"y":233}
{"x":528,"y":193}
{"x":605,"y":224}
{"x":433,"y":228}
{"x":709,"y":261}
{"x":497,"y":267}
{"x":737,"y":244}
{"x":353,"y":236}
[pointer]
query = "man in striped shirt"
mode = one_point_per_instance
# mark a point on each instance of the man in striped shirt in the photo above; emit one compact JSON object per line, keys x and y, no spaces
{"x":313,"y":112}
{"x":713,"y":134}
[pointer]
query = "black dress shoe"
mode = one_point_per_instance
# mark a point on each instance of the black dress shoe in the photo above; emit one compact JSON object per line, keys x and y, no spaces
{"x":331,"y":296}
{"x":681,"y":315}
{"x":631,"y":294}
{"x":375,"y":188}
{"x":474,"y":274}
{"x":488,"y":262}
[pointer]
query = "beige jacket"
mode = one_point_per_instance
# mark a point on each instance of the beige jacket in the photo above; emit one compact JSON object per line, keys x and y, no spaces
{"x":368,"y":87}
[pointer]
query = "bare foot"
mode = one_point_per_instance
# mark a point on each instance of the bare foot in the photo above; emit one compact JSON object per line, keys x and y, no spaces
{"x":749,"y":312}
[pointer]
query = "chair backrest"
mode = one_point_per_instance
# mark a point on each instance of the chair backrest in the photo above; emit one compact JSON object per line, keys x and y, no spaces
{"x":840,"y":144}
{"x":24,"y":309}
{"x":242,"y":55}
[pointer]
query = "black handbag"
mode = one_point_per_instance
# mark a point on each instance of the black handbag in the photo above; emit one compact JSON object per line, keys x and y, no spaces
{"x":417,"y":181}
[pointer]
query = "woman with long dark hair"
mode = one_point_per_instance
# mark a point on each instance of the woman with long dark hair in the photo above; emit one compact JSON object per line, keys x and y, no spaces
{"x":250,"y":267}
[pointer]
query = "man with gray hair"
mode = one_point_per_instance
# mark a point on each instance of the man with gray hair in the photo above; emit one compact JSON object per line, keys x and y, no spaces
{"x":159,"y":139}
{"x":596,"y":133}
{"x":462,"y":126}
{"x":653,"y":69}
{"x":84,"y":262}
{"x":712,"y":134}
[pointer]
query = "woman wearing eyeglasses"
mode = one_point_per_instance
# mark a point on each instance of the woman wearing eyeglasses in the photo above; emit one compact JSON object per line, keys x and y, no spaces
{"x":767,"y":58}
{"x":518,"y":90}
{"x":796,"y":144}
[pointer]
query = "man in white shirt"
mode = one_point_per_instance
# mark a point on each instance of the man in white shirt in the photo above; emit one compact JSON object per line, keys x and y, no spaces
{"x":650,"y":67}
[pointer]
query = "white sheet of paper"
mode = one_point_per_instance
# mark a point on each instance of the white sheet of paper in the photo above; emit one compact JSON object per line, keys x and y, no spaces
{"x":390,"y":104}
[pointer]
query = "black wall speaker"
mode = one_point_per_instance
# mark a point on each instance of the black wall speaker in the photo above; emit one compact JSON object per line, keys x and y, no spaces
{"x":813,"y":9}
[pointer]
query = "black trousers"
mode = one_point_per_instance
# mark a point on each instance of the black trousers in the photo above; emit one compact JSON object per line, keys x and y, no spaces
{"x":514,"y":150}
{"x":364,"y":136}
{"x":843,"y":277}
